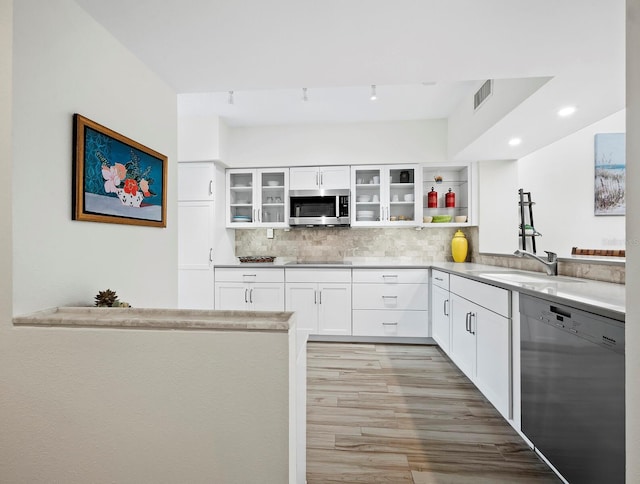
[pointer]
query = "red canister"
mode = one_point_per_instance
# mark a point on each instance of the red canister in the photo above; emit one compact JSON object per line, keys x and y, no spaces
{"x":450,"y":199}
{"x":432,"y":199}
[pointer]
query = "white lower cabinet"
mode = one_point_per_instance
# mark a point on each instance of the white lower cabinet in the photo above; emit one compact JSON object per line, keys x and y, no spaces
{"x":390,"y":302}
{"x":480,"y":338}
{"x":440,"y":310}
{"x":250,"y":289}
{"x":321,"y":299}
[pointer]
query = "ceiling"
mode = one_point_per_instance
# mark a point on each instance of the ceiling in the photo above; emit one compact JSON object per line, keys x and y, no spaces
{"x":424,"y":56}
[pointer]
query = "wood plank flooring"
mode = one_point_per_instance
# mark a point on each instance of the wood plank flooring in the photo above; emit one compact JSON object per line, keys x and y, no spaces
{"x":396,"y":414}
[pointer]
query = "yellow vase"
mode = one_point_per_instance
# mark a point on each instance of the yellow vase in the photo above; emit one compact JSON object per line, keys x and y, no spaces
{"x":459,"y":247}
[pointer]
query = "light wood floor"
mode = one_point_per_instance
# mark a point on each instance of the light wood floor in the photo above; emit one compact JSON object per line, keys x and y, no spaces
{"x":405,"y":414}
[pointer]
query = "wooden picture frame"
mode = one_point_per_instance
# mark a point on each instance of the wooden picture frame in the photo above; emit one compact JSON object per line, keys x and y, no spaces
{"x":116,"y":180}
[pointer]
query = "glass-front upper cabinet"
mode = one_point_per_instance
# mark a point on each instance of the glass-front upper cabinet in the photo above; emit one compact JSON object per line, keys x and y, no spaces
{"x":257,"y":197}
{"x":385,"y":195}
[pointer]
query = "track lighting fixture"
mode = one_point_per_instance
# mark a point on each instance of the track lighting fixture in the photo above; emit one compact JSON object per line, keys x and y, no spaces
{"x":230,"y":97}
{"x":305,"y":96}
{"x":374,"y":96}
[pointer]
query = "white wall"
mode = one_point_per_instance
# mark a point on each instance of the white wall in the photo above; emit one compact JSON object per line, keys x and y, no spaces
{"x":64,"y":62}
{"x":6,"y":34}
{"x":632,"y":329}
{"x":335,"y":144}
{"x":560,"y":178}
{"x":466,"y":125}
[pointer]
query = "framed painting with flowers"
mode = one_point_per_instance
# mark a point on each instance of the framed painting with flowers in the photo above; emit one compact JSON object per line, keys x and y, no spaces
{"x":116,"y":179}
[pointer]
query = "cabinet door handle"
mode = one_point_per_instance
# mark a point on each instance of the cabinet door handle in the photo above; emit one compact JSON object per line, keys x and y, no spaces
{"x":319,"y":297}
{"x":445,"y":307}
{"x":471,"y":315}
{"x":245,"y":295}
{"x":259,"y":215}
{"x":211,"y":254}
{"x":317,"y":180}
{"x":321,"y":178}
{"x":467,"y":322}
{"x":315,"y":297}
{"x":210,"y":187}
{"x":251,"y":296}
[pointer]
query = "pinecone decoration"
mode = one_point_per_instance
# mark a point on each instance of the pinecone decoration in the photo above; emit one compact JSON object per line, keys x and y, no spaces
{"x":106,"y":298}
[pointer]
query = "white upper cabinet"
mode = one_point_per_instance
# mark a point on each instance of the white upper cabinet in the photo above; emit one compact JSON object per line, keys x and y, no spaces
{"x":319,"y":177}
{"x":257,"y":198}
{"x":450,"y":188}
{"x":195,"y":181}
{"x":386,"y":195}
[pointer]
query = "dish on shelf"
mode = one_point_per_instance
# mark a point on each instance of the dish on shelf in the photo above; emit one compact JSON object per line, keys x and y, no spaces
{"x":441,"y":219}
{"x":242,"y":202}
{"x":364,"y":213}
{"x":273,"y":183}
{"x":460,"y":219}
{"x":427,"y":219}
{"x":365,"y":218}
{"x":241,"y":218}
{"x":364,"y":198}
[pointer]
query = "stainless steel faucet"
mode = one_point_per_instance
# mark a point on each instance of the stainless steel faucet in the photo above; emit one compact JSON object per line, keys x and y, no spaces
{"x":550,"y":265}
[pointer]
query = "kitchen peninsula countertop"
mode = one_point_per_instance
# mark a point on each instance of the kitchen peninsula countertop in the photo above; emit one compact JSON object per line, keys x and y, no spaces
{"x":169,"y":319}
{"x":603,"y":298}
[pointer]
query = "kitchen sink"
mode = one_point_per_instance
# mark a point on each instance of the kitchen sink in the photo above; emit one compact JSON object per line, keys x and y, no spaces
{"x":522,"y":277}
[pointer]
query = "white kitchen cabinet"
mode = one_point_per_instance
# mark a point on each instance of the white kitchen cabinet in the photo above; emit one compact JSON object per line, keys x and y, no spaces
{"x":195,"y":255}
{"x":390,"y":302}
{"x":257,"y":198}
{"x":442,"y":179}
{"x":251,"y":289}
{"x":321,"y":299}
{"x":319,"y":177}
{"x":195,"y":181}
{"x":480,"y":338}
{"x":440,"y":309}
{"x":386,"y":195}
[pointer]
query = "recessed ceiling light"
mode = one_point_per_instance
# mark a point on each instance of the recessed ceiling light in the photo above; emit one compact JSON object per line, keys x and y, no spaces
{"x":515,"y":141}
{"x":566,"y":111}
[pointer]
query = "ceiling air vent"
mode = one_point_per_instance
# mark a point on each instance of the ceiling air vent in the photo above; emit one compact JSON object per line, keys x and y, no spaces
{"x":482,"y":94}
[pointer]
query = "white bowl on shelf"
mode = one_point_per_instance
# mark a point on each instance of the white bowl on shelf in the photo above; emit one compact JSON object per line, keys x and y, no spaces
{"x":364,"y":213}
{"x":273,"y":183}
{"x":408,"y":197}
{"x":364,"y":198}
{"x":460,"y":219}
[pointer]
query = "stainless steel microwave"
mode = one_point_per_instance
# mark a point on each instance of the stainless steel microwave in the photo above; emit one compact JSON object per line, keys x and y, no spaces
{"x":312,"y":208}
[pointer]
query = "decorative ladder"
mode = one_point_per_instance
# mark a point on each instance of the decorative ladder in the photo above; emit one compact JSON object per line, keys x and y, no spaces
{"x":527,"y":228}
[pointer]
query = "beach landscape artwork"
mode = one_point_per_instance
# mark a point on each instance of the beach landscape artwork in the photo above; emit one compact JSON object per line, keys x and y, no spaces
{"x":117,"y":180}
{"x":610,"y":170}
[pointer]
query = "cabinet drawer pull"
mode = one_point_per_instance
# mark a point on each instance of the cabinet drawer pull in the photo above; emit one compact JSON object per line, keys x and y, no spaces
{"x":210,"y":187}
{"x":384,"y":276}
{"x":249,"y":275}
{"x":389,"y":324}
{"x":395,"y":297}
{"x":439,"y":279}
{"x":211,"y":254}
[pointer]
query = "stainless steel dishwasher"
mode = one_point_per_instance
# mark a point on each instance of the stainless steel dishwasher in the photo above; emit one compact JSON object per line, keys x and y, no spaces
{"x":572,"y":376}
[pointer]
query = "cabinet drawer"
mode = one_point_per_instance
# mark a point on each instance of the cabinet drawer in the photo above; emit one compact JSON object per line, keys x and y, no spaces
{"x":390,"y":323}
{"x":249,"y":274}
{"x":293,"y":274}
{"x":440,"y":279}
{"x":391,"y":276}
{"x":490,"y":297}
{"x":391,"y":296}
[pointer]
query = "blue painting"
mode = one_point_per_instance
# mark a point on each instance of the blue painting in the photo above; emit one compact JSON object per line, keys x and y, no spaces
{"x":117,"y":179}
{"x":610,"y":171}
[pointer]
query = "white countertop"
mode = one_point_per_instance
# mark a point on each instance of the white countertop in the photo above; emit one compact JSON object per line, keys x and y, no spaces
{"x":603,"y":298}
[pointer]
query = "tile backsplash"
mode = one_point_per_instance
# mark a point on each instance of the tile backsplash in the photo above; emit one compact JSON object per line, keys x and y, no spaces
{"x":424,"y":246}
{"x":330,"y":244}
